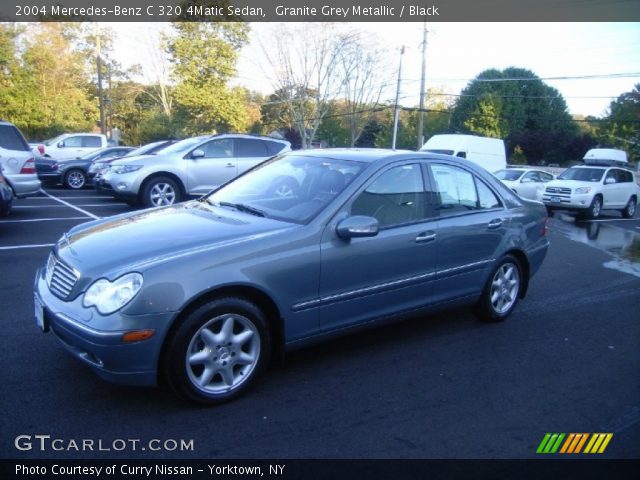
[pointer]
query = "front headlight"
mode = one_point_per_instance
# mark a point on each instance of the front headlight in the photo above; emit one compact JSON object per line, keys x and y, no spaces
{"x":109,"y":297}
{"x":125,"y":168}
{"x":583,"y":190}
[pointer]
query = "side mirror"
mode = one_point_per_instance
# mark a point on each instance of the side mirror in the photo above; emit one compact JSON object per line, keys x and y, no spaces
{"x":609,"y":180}
{"x":357,"y":226}
{"x":61,"y":144}
{"x":526,"y":180}
{"x":197,"y":153}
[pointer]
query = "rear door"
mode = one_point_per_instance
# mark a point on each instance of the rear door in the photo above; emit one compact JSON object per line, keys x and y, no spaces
{"x":250,"y":152}
{"x":217,"y":167}
{"x":471,"y":227}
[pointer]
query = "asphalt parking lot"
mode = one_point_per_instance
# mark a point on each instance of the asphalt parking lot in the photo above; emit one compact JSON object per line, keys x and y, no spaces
{"x":442,"y":386}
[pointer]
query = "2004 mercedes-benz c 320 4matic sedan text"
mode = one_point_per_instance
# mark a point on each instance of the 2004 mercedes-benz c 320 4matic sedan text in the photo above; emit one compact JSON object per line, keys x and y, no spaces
{"x":204,"y":292}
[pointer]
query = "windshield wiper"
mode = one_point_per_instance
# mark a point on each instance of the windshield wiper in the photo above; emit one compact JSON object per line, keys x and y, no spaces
{"x":243,"y":208}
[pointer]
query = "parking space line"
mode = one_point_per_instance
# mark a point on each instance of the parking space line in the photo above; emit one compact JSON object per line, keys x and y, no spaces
{"x":70,"y":198}
{"x":85,"y":212}
{"x":42,"y":219}
{"x":14,"y":247}
{"x":64,"y":206}
{"x":612,"y":220}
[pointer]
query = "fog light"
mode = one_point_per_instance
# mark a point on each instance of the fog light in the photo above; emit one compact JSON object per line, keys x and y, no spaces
{"x":137,"y":336}
{"x":122,"y":186}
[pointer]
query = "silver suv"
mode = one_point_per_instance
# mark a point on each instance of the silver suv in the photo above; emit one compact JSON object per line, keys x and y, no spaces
{"x":193,"y":166}
{"x":17,"y":163}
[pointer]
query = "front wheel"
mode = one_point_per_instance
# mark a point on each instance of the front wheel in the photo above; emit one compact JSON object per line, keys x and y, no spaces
{"x":630,"y":210}
{"x":595,"y":208}
{"x":75,"y":179}
{"x":501,"y":292}
{"x":218,"y":351}
{"x":160,"y":192}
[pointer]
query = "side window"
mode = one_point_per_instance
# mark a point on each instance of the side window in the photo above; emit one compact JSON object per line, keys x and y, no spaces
{"x":455,"y":188}
{"x":545,"y":177}
{"x":486,"y":197}
{"x":394,"y":198}
{"x":624,"y":176}
{"x":11,"y":139}
{"x":274,"y":148}
{"x":91,"y":142}
{"x":221,"y":148}
{"x":532,"y":176}
{"x":246,"y":147}
{"x":73,"y":142}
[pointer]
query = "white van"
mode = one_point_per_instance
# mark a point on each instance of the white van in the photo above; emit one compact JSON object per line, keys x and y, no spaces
{"x":489,"y":153}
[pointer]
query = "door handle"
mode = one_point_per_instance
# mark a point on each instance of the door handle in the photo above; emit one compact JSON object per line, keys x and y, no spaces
{"x":230,"y":165}
{"x":495,"y":223}
{"x":426,"y":237}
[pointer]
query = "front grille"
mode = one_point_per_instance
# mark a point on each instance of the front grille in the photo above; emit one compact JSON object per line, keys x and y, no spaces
{"x":60,"y":277}
{"x":558,"y":190}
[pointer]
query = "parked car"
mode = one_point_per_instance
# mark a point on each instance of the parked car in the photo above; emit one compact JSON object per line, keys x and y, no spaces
{"x":589,"y":189}
{"x":526,"y":182}
{"x":74,"y":173}
{"x":193,"y":166}
{"x":487,"y":152}
{"x":6,"y":197}
{"x":73,"y":145}
{"x":98,"y":167}
{"x":202,"y":293}
{"x":17,"y":163}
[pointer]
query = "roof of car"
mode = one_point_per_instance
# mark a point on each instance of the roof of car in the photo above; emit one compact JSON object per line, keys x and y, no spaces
{"x":367,"y":154}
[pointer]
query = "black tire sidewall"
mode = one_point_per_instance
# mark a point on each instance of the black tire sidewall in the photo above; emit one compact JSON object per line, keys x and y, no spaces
{"x":178,"y":341}
{"x":590,"y":209}
{"x":625,"y":212}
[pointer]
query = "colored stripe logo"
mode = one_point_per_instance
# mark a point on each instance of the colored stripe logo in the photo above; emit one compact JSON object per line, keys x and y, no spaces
{"x":574,"y":443}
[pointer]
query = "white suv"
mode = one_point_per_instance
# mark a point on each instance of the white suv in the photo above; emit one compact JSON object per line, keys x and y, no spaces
{"x":194,"y":166}
{"x":591,"y":188}
{"x":17,"y":163}
{"x":73,"y":145}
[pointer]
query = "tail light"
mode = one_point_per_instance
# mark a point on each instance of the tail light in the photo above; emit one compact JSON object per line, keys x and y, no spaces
{"x":545,"y":227}
{"x":29,"y":166}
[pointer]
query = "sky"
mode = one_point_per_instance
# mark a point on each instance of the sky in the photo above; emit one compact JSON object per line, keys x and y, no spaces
{"x":456,"y":53}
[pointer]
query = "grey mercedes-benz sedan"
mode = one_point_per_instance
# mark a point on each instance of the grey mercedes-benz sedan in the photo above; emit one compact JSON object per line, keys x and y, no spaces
{"x":202,"y":293}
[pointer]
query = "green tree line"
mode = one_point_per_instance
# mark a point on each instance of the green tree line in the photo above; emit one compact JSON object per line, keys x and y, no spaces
{"x":48,"y":85}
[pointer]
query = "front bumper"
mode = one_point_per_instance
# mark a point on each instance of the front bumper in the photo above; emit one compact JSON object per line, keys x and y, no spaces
{"x":24,"y":185}
{"x":568,"y":202}
{"x":124,"y":185}
{"x":96,"y":340}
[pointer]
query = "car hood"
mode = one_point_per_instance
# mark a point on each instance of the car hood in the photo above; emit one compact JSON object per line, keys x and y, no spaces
{"x":572,"y":184}
{"x":141,"y":239}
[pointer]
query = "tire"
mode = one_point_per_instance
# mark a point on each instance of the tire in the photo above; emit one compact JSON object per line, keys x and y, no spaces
{"x":160,"y":192}
{"x":75,"y":179}
{"x":499,"y":298}
{"x":595,"y":208}
{"x":630,"y":210}
{"x":5,"y":210}
{"x":284,"y":187}
{"x":549,"y":211}
{"x":217,"y":335}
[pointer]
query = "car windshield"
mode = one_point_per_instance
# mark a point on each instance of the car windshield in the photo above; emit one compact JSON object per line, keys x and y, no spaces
{"x":509,"y":175}
{"x":93,"y":154}
{"x":582,"y":174}
{"x":53,"y":141}
{"x":149,"y":148}
{"x":291,"y":187}
{"x":184,"y":145}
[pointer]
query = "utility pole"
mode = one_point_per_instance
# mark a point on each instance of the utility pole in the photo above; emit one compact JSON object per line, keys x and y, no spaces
{"x":422,"y":88}
{"x":110,"y":102}
{"x":397,"y":110}
{"x":100,"y":95}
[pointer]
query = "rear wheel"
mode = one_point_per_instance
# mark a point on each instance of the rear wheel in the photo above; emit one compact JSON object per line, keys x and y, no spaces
{"x":75,"y":179}
{"x":5,"y":209}
{"x":160,"y":192}
{"x":630,"y":210}
{"x":218,"y":351}
{"x":502,"y":291}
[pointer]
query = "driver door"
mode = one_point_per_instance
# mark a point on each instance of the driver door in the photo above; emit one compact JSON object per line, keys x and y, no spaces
{"x":210,"y":165}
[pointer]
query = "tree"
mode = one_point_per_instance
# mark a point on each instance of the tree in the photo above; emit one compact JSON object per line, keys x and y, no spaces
{"x":204,"y":57}
{"x":516,"y":105}
{"x":621,"y":128}
{"x":305,"y":61}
